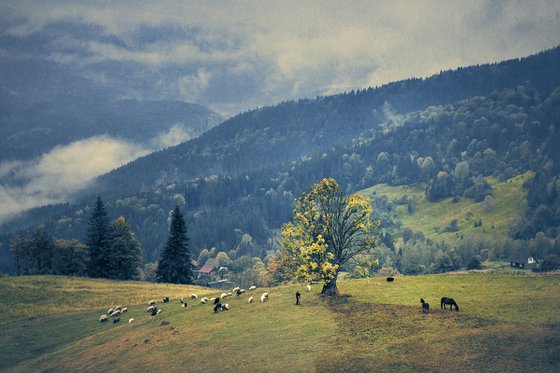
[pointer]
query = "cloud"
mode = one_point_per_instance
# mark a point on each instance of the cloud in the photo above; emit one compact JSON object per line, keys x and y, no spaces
{"x":207,"y":51}
{"x":176,"y":135}
{"x":192,"y":86}
{"x":64,"y":170}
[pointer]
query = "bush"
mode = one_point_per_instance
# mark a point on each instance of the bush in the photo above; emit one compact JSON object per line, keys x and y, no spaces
{"x":474,"y":263}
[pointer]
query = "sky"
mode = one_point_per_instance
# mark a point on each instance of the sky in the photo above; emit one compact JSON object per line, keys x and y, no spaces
{"x":238,"y":55}
{"x":232,"y":57}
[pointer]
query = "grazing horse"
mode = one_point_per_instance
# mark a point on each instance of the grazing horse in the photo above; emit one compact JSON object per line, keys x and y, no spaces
{"x":451,"y":303}
{"x":425,"y":306}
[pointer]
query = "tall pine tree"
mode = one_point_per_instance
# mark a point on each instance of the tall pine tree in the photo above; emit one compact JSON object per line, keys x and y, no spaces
{"x":175,"y":263}
{"x":98,"y":241}
{"x":125,"y":251}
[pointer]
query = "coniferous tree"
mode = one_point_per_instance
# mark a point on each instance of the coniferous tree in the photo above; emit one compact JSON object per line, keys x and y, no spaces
{"x":124,"y":251}
{"x":175,"y":263}
{"x":98,"y":241}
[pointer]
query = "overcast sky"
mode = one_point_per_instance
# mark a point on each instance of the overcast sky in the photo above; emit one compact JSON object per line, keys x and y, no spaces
{"x":234,"y":56}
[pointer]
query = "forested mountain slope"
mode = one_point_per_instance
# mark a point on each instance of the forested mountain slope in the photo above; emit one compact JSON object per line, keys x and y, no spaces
{"x":450,"y":132}
{"x":285,"y":132}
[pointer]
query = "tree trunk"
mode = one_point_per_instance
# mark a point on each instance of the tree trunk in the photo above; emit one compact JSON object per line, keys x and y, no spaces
{"x":330,"y":289}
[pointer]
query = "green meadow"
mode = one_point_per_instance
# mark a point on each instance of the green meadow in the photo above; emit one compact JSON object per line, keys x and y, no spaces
{"x":432,"y":218}
{"x":508,"y":322}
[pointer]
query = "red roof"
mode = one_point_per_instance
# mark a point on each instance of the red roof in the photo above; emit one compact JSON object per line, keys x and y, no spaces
{"x":207,"y":268}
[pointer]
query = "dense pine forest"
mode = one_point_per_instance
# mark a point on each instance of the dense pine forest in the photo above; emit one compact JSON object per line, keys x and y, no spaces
{"x":237,"y":182}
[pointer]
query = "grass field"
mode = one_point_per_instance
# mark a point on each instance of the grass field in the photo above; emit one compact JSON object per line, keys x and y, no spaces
{"x":507,"y":322}
{"x":432,"y":218}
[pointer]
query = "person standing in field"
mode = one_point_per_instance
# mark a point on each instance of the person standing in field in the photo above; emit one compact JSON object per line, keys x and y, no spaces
{"x":298,"y":295}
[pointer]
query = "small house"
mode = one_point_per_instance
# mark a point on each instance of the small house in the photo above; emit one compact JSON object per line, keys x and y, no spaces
{"x":524,"y":262}
{"x":209,"y":269}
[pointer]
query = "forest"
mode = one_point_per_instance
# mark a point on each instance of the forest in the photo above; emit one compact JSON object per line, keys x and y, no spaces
{"x":237,"y":182}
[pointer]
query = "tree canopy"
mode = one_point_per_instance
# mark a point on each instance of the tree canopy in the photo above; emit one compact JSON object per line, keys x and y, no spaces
{"x":175,"y":264}
{"x":327,"y":229}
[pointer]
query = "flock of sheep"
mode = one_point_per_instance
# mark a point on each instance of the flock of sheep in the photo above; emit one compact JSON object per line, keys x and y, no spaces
{"x":115,"y":312}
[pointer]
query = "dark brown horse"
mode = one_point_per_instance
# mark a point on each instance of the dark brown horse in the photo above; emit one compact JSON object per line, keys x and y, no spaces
{"x":450,"y":302}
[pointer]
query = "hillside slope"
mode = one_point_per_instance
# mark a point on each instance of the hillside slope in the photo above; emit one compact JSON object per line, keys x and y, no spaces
{"x":381,"y":327}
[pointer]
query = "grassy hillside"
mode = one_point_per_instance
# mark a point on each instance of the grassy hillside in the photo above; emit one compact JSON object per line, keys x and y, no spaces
{"x":432,"y":218}
{"x":507,"y":322}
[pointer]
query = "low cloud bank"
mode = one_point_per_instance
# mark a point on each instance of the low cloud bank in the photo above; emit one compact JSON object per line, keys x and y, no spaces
{"x":56,"y":175}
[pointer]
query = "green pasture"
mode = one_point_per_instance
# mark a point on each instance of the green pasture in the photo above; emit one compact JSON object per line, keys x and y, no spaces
{"x":507,"y":322}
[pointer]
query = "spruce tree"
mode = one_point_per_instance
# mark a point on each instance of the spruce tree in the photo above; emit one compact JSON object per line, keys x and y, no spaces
{"x":98,"y":241}
{"x":175,"y":263}
{"x":124,"y":251}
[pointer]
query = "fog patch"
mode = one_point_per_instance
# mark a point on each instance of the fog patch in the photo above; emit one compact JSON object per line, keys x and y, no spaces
{"x":56,"y":175}
{"x":176,"y":135}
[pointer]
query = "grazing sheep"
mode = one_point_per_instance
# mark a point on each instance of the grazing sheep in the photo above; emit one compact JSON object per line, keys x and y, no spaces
{"x":116,"y":320}
{"x":103,"y":318}
{"x":204,"y":300}
{"x":117,"y":308}
{"x":425,"y":306}
{"x":308,"y":288}
{"x":235,"y":289}
{"x":158,"y":312}
{"x":116,"y":313}
{"x":165,"y":300}
{"x":182,"y":300}
{"x":124,"y":310}
{"x":194,"y":296}
{"x":238,"y":292}
{"x":151,"y":308}
{"x":223,"y":295}
{"x":250,"y":300}
{"x":264,"y":297}
{"x":109,"y":311}
{"x":152,"y":302}
{"x":229,"y":294}
{"x":130,"y":320}
{"x":252,"y":288}
{"x":225,"y":307}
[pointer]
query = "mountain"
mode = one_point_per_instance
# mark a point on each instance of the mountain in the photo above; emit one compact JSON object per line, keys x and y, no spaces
{"x":450,"y":131}
{"x":29,"y":129}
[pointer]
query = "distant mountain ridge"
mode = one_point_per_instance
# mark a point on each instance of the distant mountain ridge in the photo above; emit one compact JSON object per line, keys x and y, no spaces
{"x":29,"y":129}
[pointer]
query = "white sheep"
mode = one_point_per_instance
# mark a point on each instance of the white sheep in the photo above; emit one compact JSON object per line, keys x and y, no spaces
{"x":229,"y":294}
{"x":116,"y":313}
{"x":150,"y":309}
{"x":110,"y":311}
{"x":250,"y":300}
{"x":158,"y":312}
{"x":264,"y":297}
{"x":194,"y":296}
{"x":308,"y":287}
{"x":103,"y":318}
{"x":152,"y":302}
{"x":235,"y":289}
{"x":225,"y":307}
{"x":252,"y":288}
{"x":124,"y":310}
{"x":204,"y":300}
{"x":223,"y":295}
{"x":130,"y":320}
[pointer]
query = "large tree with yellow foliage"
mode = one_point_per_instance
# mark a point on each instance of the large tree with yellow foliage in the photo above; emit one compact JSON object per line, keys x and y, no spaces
{"x":327,"y":229}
